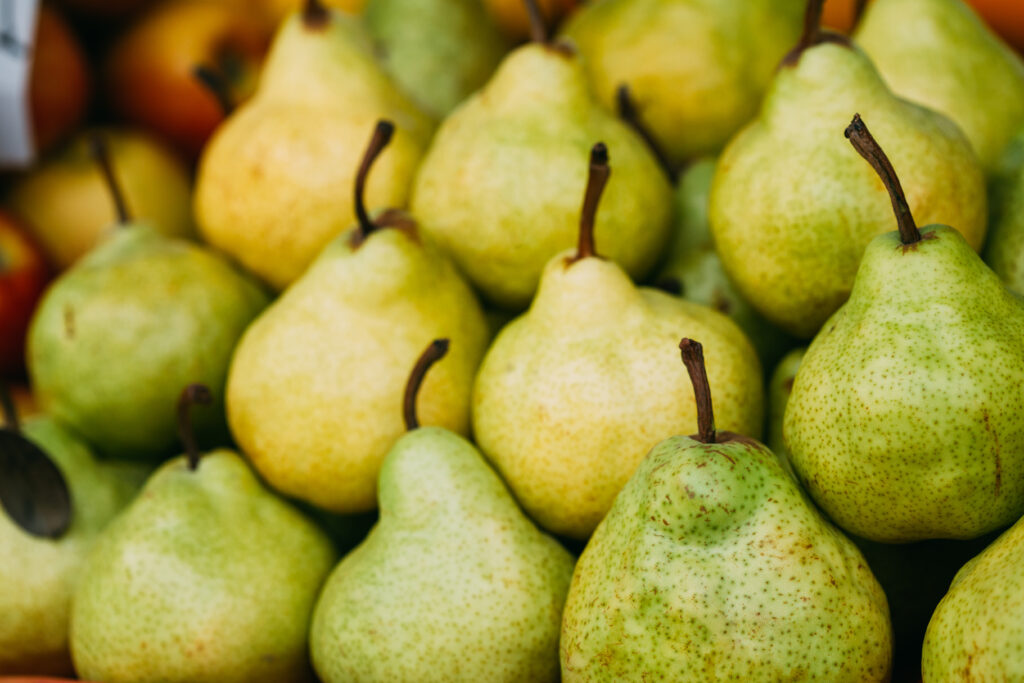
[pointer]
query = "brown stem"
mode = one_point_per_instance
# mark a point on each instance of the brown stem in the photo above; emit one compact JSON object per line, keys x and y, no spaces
{"x":215,"y":82}
{"x":629,"y":114}
{"x":381,"y":137}
{"x":101,"y":154}
{"x":192,"y":395}
{"x":596,"y":180}
{"x":10,"y":413}
{"x":693,"y":359}
{"x":812,"y":34}
{"x":858,"y":11}
{"x":538,"y":27}
{"x":433,"y":353}
{"x":315,"y":14}
{"x":866,"y":145}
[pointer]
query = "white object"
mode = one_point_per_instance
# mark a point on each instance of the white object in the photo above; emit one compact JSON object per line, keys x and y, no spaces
{"x":17,"y":40}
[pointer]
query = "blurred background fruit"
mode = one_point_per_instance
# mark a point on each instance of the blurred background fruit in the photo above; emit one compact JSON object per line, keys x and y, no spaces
{"x":59,"y":84}
{"x":512,"y":18}
{"x":22,"y":279}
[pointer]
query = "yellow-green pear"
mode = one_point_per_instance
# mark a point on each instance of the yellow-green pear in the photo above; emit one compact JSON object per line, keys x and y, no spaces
{"x":793,"y":207}
{"x":573,"y":393}
{"x":313,"y":392}
{"x":499,"y":187}
{"x":941,"y":54}
{"x":1004,"y":249}
{"x":266,"y":191}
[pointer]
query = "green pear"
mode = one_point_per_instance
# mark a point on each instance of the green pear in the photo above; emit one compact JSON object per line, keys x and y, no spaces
{"x":38,"y":573}
{"x":713,"y":565}
{"x":438,"y":51}
{"x":207,"y":577}
{"x":573,"y":393}
{"x":315,"y":383}
{"x":793,"y":207}
{"x":698,"y":68}
{"x":117,"y":335}
{"x":454,"y":583}
{"x":499,"y":188}
{"x":266,"y":191}
{"x":780,"y":387}
{"x":906,"y":420}
{"x":1004,"y":249}
{"x":975,"y":633}
{"x":941,"y":54}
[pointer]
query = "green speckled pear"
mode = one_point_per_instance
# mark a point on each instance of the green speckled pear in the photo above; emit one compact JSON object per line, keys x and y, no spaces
{"x":779,"y":389}
{"x":140,"y":316}
{"x":793,"y":207}
{"x":712,"y":565}
{"x":498,"y":190}
{"x":38,"y":575}
{"x":941,"y":54}
{"x":906,"y":420}
{"x":208,"y":577}
{"x":976,"y":632}
{"x":573,"y":393}
{"x":1004,"y":249}
{"x":454,"y":583}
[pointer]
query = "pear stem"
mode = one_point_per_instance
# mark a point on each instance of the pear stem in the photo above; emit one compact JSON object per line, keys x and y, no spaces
{"x":101,"y":154}
{"x":812,"y":25}
{"x":693,"y":359}
{"x":314,"y":14}
{"x":866,"y":145}
{"x":192,"y":395}
{"x":858,"y":11}
{"x":215,"y":82}
{"x":381,"y":137}
{"x":538,"y":27}
{"x":10,"y":413}
{"x":433,"y":353}
{"x":596,"y":181}
{"x":629,"y":114}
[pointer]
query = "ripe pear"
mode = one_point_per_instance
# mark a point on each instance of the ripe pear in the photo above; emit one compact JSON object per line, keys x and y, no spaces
{"x":713,"y":565}
{"x":266,"y":191}
{"x":498,"y":189}
{"x":793,"y":207}
{"x":206,"y":577}
{"x":454,"y":583}
{"x":941,"y":54}
{"x":573,"y":393}
{"x":698,"y":68}
{"x":38,"y":573}
{"x":975,"y":633}
{"x":1004,"y":249}
{"x":780,"y":387}
{"x":905,"y":421}
{"x":314,"y":388}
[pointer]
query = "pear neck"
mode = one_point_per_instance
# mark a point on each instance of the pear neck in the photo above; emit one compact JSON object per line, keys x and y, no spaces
{"x":433,"y":353}
{"x":194,"y":394}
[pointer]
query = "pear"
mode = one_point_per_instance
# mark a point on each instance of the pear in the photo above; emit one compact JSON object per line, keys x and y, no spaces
{"x":498,"y":188}
{"x":941,"y":54}
{"x":975,"y":633}
{"x":713,"y":565}
{"x":793,"y":208}
{"x":438,"y":51}
{"x":780,"y":387}
{"x":206,"y":577}
{"x":339,"y":338}
{"x":116,"y":336}
{"x":573,"y":393}
{"x":1004,"y":249}
{"x":698,"y":68}
{"x":454,"y":583}
{"x":905,"y":421}
{"x":39,"y":565}
{"x":266,"y":186}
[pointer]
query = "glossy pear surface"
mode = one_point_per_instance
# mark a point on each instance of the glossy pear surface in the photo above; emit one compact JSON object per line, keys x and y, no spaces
{"x":207,"y":577}
{"x":572,"y":394}
{"x":271,"y":189}
{"x":712,"y":565}
{"x":500,"y":188}
{"x":906,"y":420}
{"x":454,"y":583}
{"x":793,"y":206}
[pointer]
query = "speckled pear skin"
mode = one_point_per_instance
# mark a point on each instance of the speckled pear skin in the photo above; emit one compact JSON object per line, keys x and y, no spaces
{"x":499,"y":189}
{"x":454,"y":583}
{"x":118,"y":335}
{"x":905,"y":422}
{"x":941,"y":54}
{"x":314,"y":395}
{"x":1004,"y":249}
{"x":207,"y":577}
{"x":976,"y":632}
{"x":712,"y":565}
{"x":572,"y":394}
{"x":272,"y":185}
{"x":793,"y":206}
{"x":37,"y":575}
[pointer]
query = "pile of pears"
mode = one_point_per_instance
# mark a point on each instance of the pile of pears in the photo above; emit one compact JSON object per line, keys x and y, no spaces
{"x":683,"y":342}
